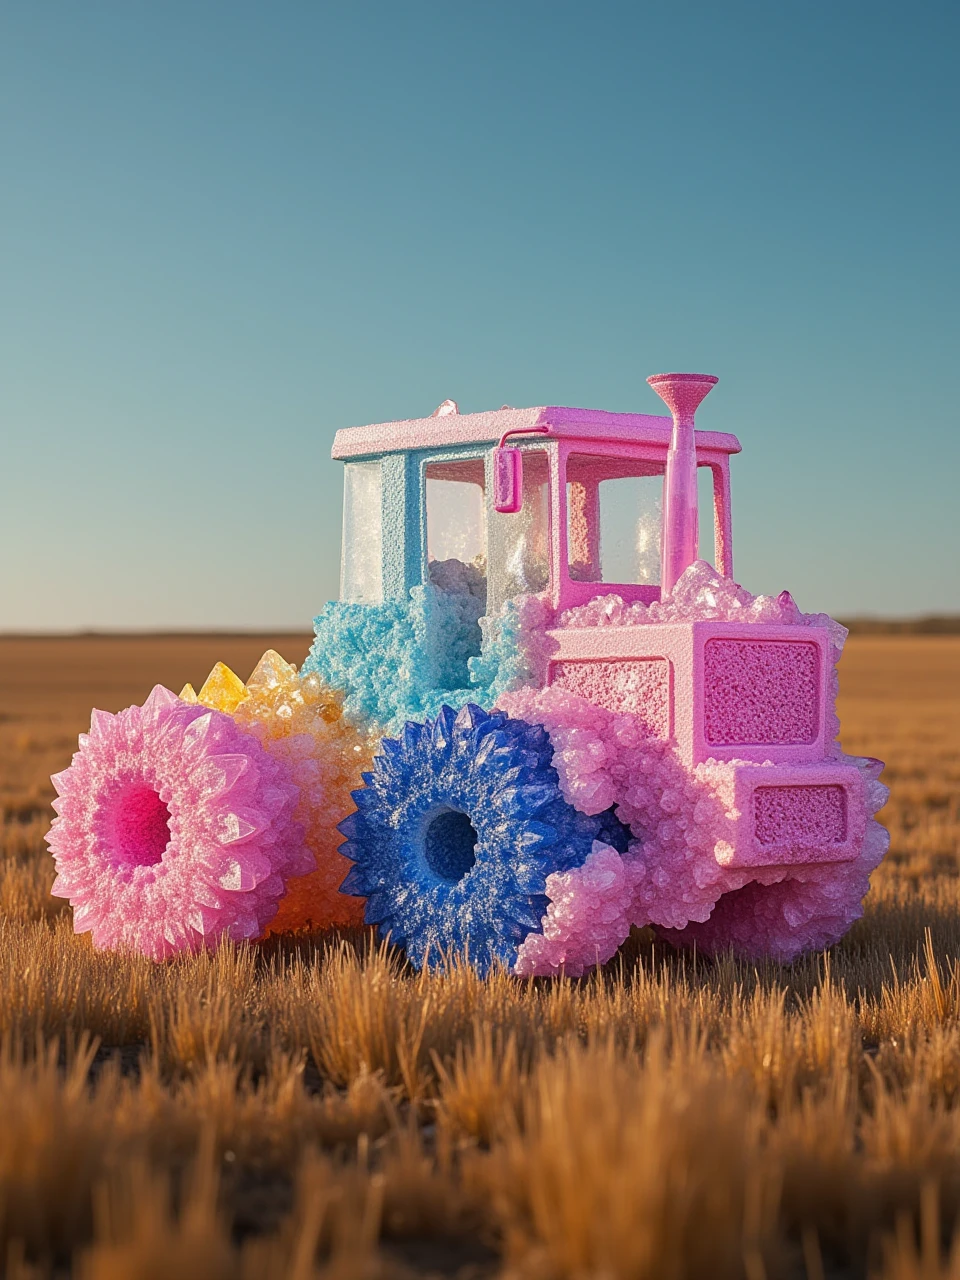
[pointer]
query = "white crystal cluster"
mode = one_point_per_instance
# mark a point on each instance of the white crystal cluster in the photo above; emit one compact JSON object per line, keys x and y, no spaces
{"x":702,"y":595}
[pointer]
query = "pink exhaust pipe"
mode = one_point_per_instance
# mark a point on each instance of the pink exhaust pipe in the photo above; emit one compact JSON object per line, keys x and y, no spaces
{"x":680,"y":544}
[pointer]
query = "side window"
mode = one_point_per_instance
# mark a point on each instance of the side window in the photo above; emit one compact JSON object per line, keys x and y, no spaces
{"x":456,"y":527}
{"x":705,"y":511}
{"x":520,"y":541}
{"x":361,"y":568}
{"x":614,"y":515}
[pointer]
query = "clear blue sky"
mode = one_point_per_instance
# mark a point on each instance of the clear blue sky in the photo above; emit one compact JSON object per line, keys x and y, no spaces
{"x":230,"y":228}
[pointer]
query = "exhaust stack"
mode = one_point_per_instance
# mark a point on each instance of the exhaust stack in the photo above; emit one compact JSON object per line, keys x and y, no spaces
{"x":680,"y":544}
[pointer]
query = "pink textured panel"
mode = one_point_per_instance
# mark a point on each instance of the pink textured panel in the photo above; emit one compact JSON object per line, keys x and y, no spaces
{"x":640,"y":686}
{"x":761,"y":691}
{"x":805,"y":817}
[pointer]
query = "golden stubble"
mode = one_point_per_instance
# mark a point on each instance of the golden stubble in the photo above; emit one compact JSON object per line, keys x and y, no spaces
{"x":313,"y":1108}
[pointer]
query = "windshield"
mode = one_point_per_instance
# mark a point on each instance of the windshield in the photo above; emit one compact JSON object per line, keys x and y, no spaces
{"x":361,"y":573}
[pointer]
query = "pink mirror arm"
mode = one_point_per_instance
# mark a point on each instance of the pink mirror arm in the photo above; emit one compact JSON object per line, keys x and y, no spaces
{"x":523,"y":431}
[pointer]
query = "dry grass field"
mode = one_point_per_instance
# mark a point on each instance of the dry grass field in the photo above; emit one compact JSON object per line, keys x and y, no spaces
{"x":312,"y":1109}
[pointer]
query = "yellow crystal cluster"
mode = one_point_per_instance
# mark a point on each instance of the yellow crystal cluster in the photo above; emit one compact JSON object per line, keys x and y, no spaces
{"x":301,"y":722}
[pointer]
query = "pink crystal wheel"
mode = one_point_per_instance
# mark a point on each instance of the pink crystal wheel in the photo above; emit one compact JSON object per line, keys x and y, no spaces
{"x":782,"y":919}
{"x":174,"y":830}
{"x":779,"y":921}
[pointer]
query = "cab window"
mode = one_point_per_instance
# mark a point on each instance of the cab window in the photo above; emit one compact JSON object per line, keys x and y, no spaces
{"x":614,"y":514}
{"x":457,"y":526}
{"x":520,"y":541}
{"x":361,"y":561}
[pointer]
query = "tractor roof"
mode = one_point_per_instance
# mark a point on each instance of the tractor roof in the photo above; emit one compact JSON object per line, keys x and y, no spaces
{"x":449,"y":427}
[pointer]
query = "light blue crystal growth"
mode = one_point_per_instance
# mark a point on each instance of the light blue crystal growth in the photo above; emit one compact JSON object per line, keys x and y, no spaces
{"x":403,"y":660}
{"x":502,"y":664}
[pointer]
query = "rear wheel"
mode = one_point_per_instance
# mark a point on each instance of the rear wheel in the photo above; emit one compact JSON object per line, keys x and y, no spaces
{"x":457,"y":827}
{"x":780,"y":921}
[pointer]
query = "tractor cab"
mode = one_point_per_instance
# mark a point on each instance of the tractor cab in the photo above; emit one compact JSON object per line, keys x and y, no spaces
{"x":566,"y":502}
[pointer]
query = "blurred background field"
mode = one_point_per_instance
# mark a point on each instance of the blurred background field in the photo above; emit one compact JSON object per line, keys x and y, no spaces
{"x":311,"y":1108}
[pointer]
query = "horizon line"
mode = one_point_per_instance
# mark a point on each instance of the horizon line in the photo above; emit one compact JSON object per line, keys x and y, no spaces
{"x":919,"y":624}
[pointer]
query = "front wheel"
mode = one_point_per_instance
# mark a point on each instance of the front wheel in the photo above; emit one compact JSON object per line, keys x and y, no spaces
{"x":457,"y":828}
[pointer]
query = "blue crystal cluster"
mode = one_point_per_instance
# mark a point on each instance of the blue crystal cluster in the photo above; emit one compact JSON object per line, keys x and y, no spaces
{"x":457,"y":827}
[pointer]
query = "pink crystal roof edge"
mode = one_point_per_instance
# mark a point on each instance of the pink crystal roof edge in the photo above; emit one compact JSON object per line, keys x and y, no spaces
{"x":488,"y":427}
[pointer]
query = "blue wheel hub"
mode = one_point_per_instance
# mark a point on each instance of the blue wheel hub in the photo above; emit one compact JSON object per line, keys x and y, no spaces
{"x":450,"y":844}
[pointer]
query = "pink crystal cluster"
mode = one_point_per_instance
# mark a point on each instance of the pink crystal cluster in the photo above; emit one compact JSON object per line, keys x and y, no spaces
{"x":683,"y":823}
{"x":780,"y":912}
{"x":702,"y":595}
{"x":174,"y":829}
{"x":588,"y":917}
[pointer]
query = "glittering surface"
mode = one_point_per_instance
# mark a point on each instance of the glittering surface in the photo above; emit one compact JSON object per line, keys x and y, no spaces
{"x":638,"y":686}
{"x":301,"y":723}
{"x":702,"y":595}
{"x":761,"y":691}
{"x":175,"y":828}
{"x":495,"y":771}
{"x":588,"y":916}
{"x":803,"y":817}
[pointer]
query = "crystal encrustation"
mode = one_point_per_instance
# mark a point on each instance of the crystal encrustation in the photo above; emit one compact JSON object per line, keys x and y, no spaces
{"x":457,"y":830}
{"x":175,"y":829}
{"x":301,"y":722}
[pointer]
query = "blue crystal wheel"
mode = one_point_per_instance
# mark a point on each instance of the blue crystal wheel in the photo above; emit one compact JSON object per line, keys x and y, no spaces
{"x":457,"y":827}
